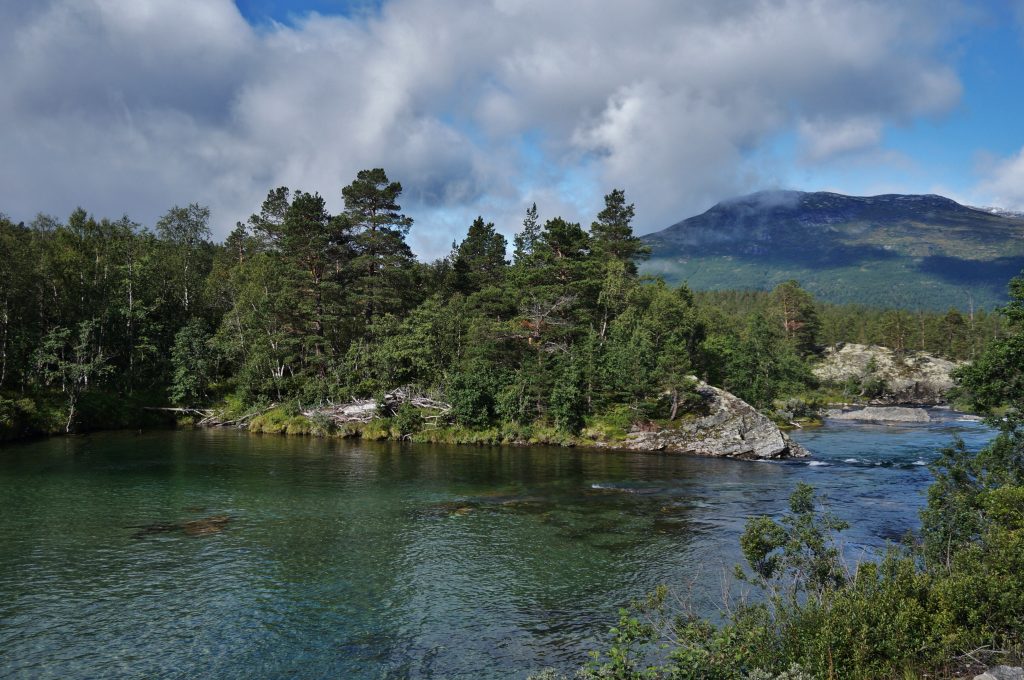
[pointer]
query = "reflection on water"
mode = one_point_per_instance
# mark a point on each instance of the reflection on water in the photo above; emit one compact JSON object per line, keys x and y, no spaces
{"x":227,"y":555}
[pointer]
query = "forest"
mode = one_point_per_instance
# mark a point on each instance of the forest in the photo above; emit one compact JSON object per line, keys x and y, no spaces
{"x":100,"y":318}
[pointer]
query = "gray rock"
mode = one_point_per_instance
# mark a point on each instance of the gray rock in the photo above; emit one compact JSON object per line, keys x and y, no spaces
{"x":730,"y":428}
{"x":883,"y":414}
{"x":913,"y":378}
{"x":1002,"y":673}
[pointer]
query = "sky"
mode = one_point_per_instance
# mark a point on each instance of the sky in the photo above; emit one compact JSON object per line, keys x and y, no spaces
{"x":484,"y":107}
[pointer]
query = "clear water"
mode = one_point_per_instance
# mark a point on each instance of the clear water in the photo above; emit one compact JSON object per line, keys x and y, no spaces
{"x":351,"y":560}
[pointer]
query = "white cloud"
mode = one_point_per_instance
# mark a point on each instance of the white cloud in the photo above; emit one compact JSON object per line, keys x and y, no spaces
{"x":134,"y":105}
{"x":824,"y":139}
{"x":1002,"y":185}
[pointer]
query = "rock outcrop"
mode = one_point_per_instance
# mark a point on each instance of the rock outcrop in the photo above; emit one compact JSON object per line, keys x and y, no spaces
{"x":883,"y":414}
{"x":728,"y":427}
{"x":885,"y":377}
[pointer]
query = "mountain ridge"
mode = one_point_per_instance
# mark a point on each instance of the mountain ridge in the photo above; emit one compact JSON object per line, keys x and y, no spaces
{"x":900,"y":250}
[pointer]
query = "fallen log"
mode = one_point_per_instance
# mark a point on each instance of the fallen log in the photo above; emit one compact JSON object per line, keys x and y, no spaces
{"x":365,"y":410}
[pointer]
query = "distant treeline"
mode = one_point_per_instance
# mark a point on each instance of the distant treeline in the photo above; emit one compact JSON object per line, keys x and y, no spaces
{"x":299,"y":305}
{"x":952,"y":334}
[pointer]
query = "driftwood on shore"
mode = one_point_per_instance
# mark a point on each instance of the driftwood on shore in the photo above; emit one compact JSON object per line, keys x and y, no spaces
{"x":211,"y":418}
{"x":365,"y":410}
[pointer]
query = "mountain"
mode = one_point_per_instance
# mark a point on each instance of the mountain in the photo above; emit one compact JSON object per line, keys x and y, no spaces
{"x":911,"y":251}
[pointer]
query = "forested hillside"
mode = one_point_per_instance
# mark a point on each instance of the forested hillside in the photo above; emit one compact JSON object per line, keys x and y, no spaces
{"x":895,"y":250}
{"x":101,"y":317}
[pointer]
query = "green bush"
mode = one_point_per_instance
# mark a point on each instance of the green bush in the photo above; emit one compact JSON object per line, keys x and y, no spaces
{"x":321,"y":424}
{"x":19,"y":417}
{"x":408,"y":420}
{"x":471,"y":393}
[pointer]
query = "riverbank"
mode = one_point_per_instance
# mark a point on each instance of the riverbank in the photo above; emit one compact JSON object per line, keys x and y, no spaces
{"x":714,"y":424}
{"x":598,"y":433}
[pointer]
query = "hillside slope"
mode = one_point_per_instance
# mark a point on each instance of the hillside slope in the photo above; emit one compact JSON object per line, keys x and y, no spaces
{"x":912,"y":251}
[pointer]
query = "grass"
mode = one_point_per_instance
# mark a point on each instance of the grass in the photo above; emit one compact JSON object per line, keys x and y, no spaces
{"x":609,"y":429}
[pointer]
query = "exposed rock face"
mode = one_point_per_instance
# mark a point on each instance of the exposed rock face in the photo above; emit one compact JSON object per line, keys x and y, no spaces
{"x":883,"y":414}
{"x":915,"y":378}
{"x":731,"y":428}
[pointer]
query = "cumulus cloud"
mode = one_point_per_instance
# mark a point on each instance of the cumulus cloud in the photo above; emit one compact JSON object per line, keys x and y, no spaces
{"x":824,"y":139}
{"x":1003,"y":182}
{"x":135,"y":105}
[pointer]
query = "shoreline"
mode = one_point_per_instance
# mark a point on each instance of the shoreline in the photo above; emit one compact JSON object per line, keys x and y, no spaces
{"x":595,"y":436}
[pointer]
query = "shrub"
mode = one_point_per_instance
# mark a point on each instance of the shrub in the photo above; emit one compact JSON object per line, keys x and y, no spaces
{"x":471,"y":394}
{"x":407,"y":420}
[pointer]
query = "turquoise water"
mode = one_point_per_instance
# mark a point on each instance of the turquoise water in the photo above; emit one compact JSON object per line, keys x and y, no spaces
{"x":222,"y":554}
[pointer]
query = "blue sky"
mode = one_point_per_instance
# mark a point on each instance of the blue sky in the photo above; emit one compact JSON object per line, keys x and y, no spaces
{"x":949,"y":152}
{"x":132,"y":106}
{"x":258,"y":12}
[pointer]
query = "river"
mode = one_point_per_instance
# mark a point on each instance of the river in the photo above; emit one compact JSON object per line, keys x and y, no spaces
{"x":221,"y":554}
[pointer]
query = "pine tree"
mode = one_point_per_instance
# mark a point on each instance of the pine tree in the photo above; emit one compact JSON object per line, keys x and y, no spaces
{"x":612,"y":232}
{"x":480,"y":259}
{"x":383,"y":264}
{"x":798,"y":315}
{"x":526,"y":240}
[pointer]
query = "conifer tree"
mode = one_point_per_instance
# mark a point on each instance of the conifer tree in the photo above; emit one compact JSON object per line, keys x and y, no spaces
{"x":526,"y":240}
{"x":612,"y":232}
{"x":480,"y":259}
{"x":383,"y":264}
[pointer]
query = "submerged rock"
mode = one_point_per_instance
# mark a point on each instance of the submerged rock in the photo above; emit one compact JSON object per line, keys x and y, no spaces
{"x":196,"y":527}
{"x":886,"y":377}
{"x":207,"y":525}
{"x":883,"y":414}
{"x":729,"y":428}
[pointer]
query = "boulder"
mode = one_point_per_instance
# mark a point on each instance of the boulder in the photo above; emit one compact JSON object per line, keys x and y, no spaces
{"x":883,"y":414}
{"x":910,"y":378}
{"x":728,"y":427}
